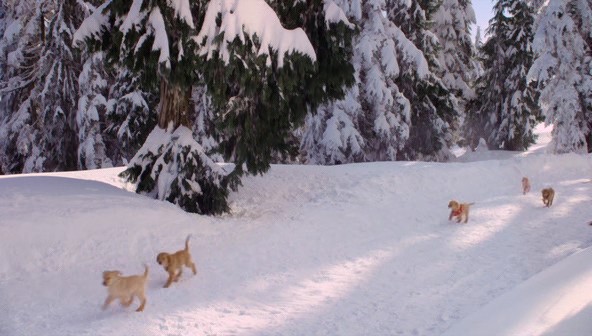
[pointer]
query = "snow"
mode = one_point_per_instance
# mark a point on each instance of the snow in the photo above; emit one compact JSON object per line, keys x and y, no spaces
{"x":246,"y":17}
{"x":92,"y":26}
{"x":334,"y":14}
{"x":182,"y":11}
{"x":134,"y":17}
{"x":357,"y":249}
{"x":161,"y":40}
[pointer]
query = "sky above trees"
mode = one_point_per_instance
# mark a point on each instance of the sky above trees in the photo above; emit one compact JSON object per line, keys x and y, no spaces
{"x":483,"y":12}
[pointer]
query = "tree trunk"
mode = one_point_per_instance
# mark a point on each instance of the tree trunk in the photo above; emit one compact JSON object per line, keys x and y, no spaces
{"x":174,"y":105}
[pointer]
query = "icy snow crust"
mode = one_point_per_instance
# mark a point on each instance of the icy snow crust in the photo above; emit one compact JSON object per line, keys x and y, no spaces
{"x":360,"y":249}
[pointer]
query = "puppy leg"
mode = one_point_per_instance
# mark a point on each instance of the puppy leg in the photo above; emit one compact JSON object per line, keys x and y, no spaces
{"x":108,"y":301}
{"x":142,"y":298}
{"x":169,"y":280}
{"x":178,"y":274}
{"x":191,"y":265}
{"x":126,"y":303}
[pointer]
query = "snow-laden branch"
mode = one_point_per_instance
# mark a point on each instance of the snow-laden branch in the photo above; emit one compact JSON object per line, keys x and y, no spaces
{"x":93,"y":26}
{"x":250,"y":17}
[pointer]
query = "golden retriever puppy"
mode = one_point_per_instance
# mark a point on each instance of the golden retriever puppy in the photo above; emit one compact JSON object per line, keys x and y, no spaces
{"x":525,"y":185}
{"x":173,"y":263}
{"x":125,"y":288}
{"x":548,"y":195}
{"x":459,"y":211}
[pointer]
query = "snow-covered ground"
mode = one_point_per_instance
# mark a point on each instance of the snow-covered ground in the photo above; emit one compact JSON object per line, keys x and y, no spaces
{"x":360,"y":249}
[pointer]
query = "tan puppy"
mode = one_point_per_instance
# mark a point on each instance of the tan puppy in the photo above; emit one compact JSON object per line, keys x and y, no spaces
{"x":173,"y":263}
{"x":459,"y":211}
{"x":548,"y":195}
{"x":525,"y":185}
{"x":125,"y":288}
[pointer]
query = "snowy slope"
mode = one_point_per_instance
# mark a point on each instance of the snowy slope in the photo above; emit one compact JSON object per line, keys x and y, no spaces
{"x":361,"y":249}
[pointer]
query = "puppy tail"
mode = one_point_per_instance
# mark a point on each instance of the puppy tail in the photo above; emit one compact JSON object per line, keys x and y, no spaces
{"x":145,"y":271}
{"x":187,"y":243}
{"x":473,"y":203}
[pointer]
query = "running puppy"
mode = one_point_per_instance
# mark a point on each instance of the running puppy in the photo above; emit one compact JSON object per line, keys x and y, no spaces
{"x":548,"y":195}
{"x":459,"y":211}
{"x":173,"y":263}
{"x":125,"y":288}
{"x":525,"y":185}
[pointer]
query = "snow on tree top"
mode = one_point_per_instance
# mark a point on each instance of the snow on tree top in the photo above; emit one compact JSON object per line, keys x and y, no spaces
{"x":92,"y":26}
{"x":182,"y":10}
{"x":134,"y":17}
{"x":251,"y":17}
{"x":161,"y":41}
{"x":334,"y":14}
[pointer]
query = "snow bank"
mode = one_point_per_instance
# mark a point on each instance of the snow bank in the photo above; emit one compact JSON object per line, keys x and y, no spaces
{"x":556,"y":302}
{"x":309,"y":250}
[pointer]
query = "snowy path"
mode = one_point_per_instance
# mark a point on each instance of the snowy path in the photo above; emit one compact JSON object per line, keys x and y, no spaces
{"x":361,"y":249}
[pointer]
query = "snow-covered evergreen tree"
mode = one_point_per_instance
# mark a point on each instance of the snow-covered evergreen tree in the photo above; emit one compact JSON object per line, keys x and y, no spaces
{"x":130,"y":116}
{"x":457,"y":66}
{"x":433,"y":109}
{"x":92,"y":106}
{"x":384,"y":123}
{"x":478,"y":39}
{"x":154,"y":39}
{"x":329,"y":135}
{"x":259,"y":75}
{"x":204,"y":123}
{"x":563,"y":70}
{"x":39,"y":88}
{"x":2,"y":18}
{"x":371,"y":122}
{"x":536,"y":5}
{"x":331,"y":35}
{"x":506,"y":108}
{"x":20,"y":51}
{"x":251,"y":66}
{"x":61,"y":67}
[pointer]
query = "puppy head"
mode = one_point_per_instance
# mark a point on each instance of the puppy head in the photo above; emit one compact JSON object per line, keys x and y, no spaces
{"x":109,"y":277}
{"x":163,"y":259}
{"x":525,"y":180}
{"x":546,"y":192}
{"x":453,"y":205}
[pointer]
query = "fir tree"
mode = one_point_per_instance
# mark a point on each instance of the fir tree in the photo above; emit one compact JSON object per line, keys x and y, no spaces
{"x":59,"y":95}
{"x":154,"y":39}
{"x":92,"y":106}
{"x":20,"y":51}
{"x":258,"y":83}
{"x":204,"y":123}
{"x":433,"y":107}
{"x":506,"y":109}
{"x":371,"y":122}
{"x":384,"y":124}
{"x":563,"y":70}
{"x":457,"y":66}
{"x":130,"y":115}
{"x":249,"y":76}
{"x":331,"y":35}
{"x":39,"y":89}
